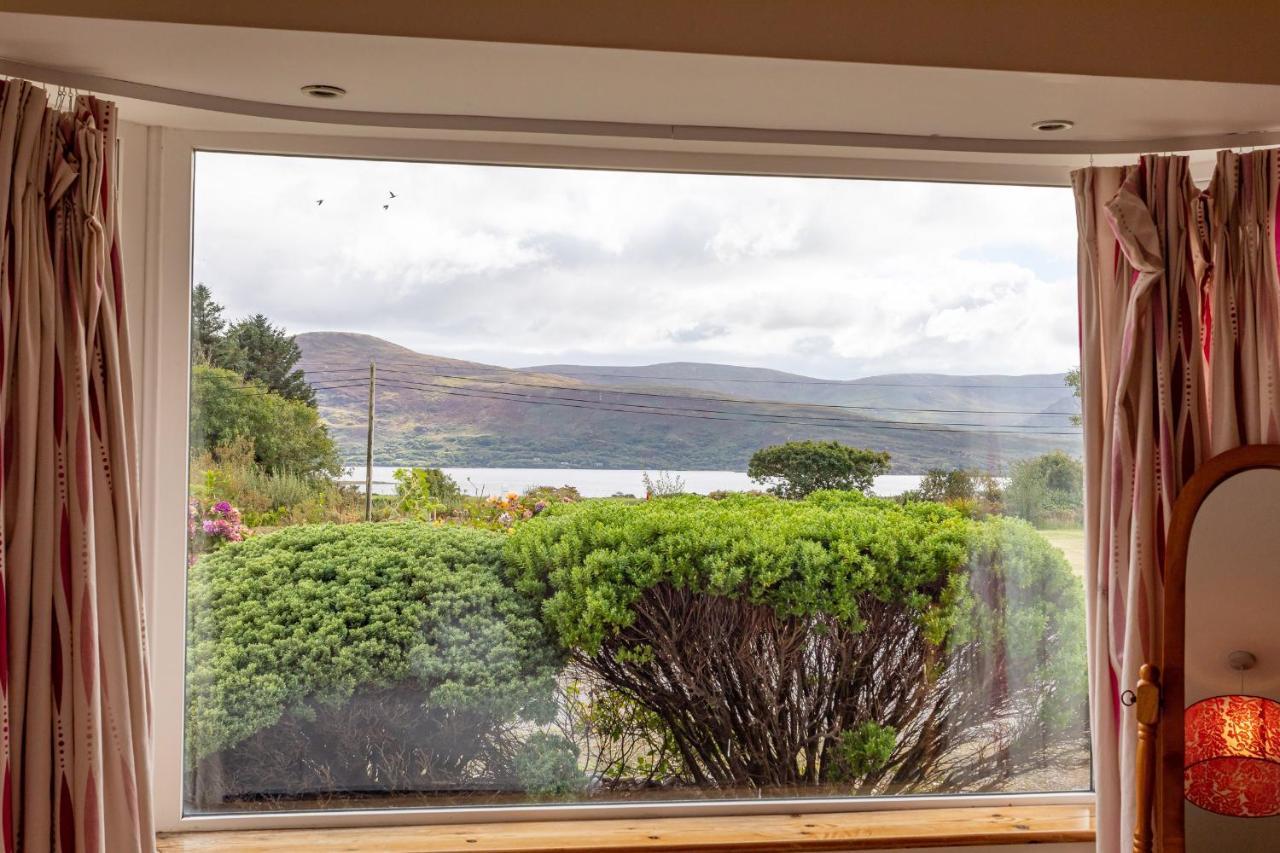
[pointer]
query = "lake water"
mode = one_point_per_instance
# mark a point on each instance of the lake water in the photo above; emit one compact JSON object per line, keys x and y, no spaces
{"x":597,"y":483}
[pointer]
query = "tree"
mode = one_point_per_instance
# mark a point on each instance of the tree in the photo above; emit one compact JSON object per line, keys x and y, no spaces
{"x":799,"y":468}
{"x":287,"y":435}
{"x":207,"y":326}
{"x":942,"y":486}
{"x":1072,"y":380}
{"x":972,"y":493}
{"x":838,"y":638}
{"x":1046,"y":490}
{"x":263,"y":353}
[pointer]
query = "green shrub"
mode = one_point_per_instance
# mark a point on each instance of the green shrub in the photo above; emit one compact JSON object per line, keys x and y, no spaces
{"x":554,"y":494}
{"x":266,"y":498}
{"x":1019,"y":577}
{"x":863,"y":751}
{"x":423,"y":492}
{"x":760,"y":631}
{"x":291,"y":628}
{"x":592,"y":561}
{"x":546,"y":765}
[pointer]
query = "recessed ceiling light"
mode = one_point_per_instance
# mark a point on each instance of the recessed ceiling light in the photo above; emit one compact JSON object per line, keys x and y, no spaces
{"x":323,"y":90}
{"x":1052,"y":125}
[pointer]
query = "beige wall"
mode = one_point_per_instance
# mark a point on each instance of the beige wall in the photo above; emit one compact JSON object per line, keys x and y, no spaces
{"x":1182,"y":39}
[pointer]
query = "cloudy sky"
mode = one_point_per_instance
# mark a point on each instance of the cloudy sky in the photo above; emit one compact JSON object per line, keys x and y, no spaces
{"x":514,"y":266}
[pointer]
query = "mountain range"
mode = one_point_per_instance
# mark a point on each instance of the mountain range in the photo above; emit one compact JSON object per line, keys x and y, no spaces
{"x":437,"y":411}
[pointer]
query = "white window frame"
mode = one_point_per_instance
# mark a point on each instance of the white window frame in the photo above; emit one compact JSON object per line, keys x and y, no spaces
{"x":157,"y":209}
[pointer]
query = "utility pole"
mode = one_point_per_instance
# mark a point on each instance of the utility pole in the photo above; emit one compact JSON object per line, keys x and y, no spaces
{"x":368,"y":448}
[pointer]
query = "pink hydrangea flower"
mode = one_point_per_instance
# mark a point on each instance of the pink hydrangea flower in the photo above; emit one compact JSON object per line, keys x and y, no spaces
{"x":218,"y":524}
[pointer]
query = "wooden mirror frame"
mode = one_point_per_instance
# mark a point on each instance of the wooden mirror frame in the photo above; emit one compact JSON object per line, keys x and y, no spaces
{"x":1169,"y":811}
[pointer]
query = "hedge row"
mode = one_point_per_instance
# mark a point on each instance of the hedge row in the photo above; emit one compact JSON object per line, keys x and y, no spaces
{"x":913,"y":619}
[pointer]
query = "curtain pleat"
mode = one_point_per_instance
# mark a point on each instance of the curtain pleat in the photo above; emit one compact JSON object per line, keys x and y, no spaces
{"x":1244,"y":346}
{"x":77,"y":769}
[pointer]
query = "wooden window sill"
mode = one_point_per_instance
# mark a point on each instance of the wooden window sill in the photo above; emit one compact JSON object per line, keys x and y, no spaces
{"x":793,"y":833}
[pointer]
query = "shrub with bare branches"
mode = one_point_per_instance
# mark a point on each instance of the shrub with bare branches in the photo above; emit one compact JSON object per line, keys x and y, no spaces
{"x":839,"y":639}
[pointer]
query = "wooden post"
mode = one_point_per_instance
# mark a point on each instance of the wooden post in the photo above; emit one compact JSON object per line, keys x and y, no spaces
{"x":368,"y":448}
{"x":1147,"y":708}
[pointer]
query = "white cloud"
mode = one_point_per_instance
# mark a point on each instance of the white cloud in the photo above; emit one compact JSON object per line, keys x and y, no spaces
{"x":521,"y":266}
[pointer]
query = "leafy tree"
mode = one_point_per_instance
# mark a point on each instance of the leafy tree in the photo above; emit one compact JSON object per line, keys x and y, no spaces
{"x":1046,"y":490}
{"x":1072,"y":379}
{"x":974,"y":494}
{"x":363,"y":656}
{"x":207,"y":326}
{"x":266,"y":354}
{"x":798,"y":468}
{"x":942,"y":486}
{"x":835,"y":638}
{"x":287,"y":435}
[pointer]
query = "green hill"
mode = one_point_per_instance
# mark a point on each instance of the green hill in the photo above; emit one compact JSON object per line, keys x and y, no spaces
{"x":1033,"y":394}
{"x":447,"y":412}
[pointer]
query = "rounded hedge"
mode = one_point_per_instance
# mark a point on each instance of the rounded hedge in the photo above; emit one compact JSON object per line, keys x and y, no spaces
{"x":838,"y":637}
{"x":311,"y":613}
{"x":592,"y":561}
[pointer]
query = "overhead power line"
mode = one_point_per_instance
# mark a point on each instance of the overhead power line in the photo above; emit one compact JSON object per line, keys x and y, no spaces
{"x":719,"y":399}
{"x":790,"y":416}
{"x":845,"y":383}
{"x":749,"y":401}
{"x":736,"y":417}
{"x":258,"y":390}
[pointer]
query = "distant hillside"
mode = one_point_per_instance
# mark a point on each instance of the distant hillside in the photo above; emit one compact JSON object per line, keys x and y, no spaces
{"x":447,"y":412}
{"x":1033,"y":393}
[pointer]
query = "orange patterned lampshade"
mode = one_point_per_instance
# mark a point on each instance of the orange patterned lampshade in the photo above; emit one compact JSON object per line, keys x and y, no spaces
{"x":1232,"y":764}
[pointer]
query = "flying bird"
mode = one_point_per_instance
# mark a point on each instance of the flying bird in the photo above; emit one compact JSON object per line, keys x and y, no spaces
{"x":385,"y":206}
{"x":319,"y":202}
{"x":393,"y":195}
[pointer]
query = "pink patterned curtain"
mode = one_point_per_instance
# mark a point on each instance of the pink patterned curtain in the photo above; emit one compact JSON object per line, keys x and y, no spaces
{"x":1244,"y":299}
{"x":1146,"y":431}
{"x":1180,"y":340}
{"x":73,"y":673}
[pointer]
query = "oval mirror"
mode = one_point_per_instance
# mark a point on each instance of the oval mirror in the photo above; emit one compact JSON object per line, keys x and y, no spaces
{"x":1219,"y":783}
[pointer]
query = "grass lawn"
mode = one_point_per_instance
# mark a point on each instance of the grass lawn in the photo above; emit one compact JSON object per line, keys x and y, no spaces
{"x":1070,"y":541}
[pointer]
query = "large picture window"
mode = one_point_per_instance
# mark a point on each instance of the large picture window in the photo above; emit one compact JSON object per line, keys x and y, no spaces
{"x":528,"y":485}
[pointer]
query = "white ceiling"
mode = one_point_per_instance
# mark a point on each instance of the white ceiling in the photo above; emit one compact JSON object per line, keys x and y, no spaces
{"x":397,"y":84}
